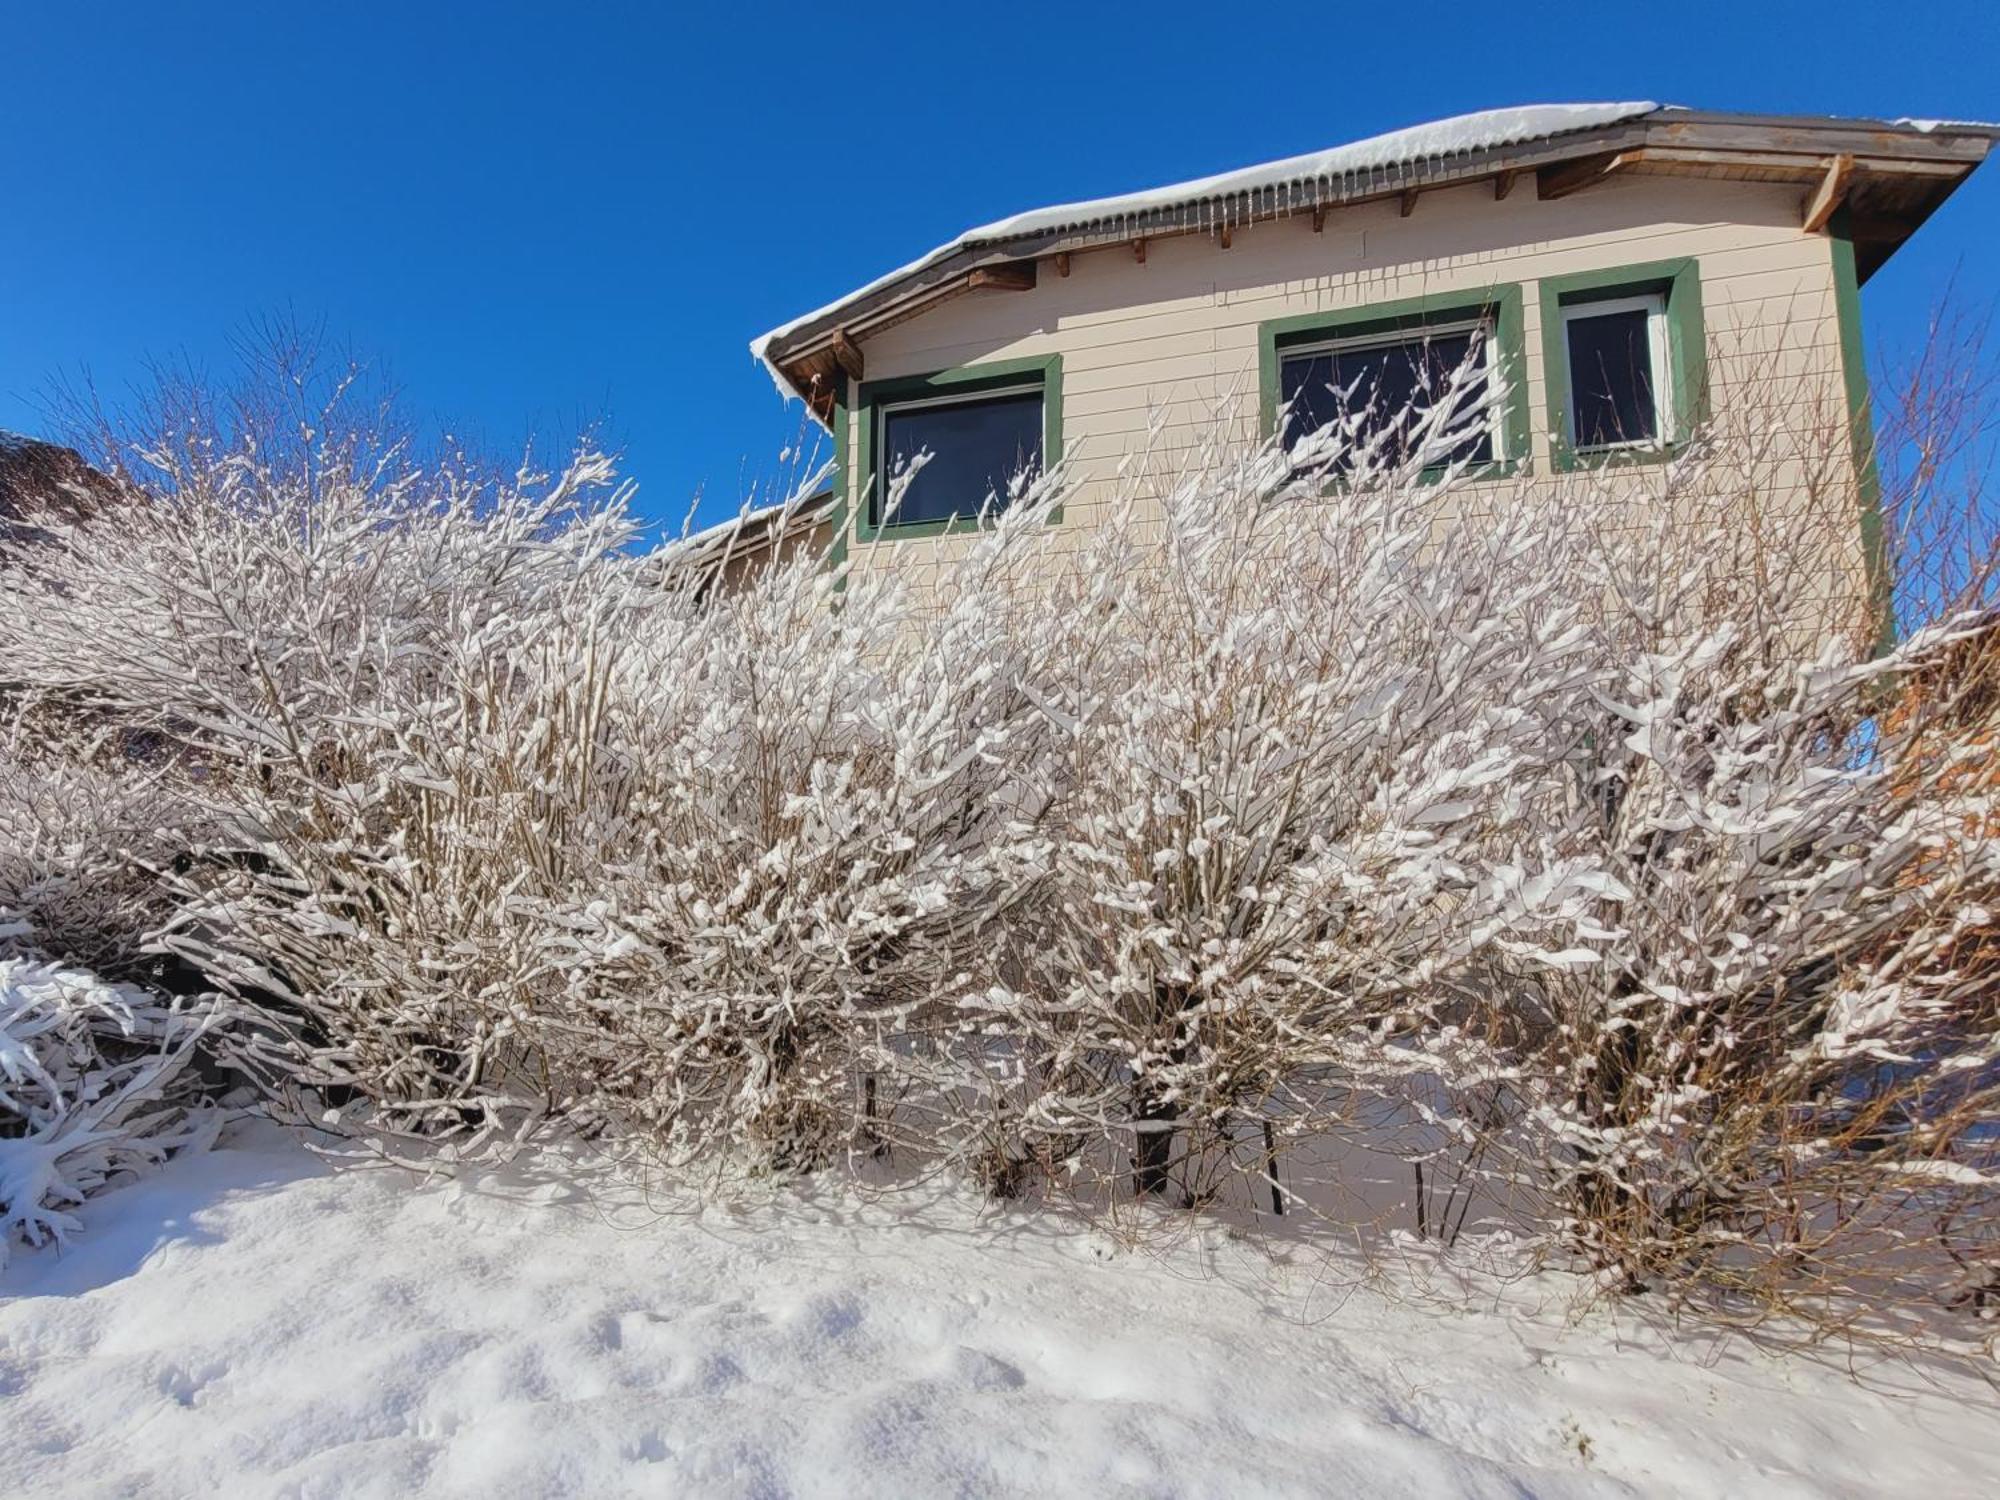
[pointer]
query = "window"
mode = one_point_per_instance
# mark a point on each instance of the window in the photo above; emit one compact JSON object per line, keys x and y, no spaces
{"x":1460,"y":350}
{"x":979,"y":451}
{"x":1624,"y":353}
{"x":1620,"y":387}
{"x":984,"y":432}
{"x":1380,"y":387}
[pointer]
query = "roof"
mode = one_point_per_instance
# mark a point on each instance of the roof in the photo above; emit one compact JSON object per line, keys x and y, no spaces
{"x":745,"y":536}
{"x":1440,"y":138}
{"x":1597,"y":139}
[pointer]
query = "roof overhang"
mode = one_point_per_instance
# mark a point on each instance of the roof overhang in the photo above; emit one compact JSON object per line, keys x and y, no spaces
{"x":1887,"y":178}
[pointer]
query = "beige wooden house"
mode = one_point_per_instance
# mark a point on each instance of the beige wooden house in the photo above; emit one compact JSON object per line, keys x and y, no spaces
{"x":1627,"y":268}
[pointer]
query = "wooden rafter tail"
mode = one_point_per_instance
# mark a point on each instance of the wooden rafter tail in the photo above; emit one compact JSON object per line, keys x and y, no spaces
{"x":1223,"y":233}
{"x":1574,"y":176}
{"x":847,"y":354}
{"x":1062,"y":262}
{"x":1406,"y":202}
{"x":1319,"y":218}
{"x":1825,"y":199}
{"x":1139,"y":249}
{"x":1503,"y":182}
{"x":1015,"y":276}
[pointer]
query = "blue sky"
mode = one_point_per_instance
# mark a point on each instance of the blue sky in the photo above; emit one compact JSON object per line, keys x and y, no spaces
{"x":533,"y":217}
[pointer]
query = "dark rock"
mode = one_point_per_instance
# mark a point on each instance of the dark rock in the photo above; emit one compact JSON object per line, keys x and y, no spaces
{"x":41,"y":481}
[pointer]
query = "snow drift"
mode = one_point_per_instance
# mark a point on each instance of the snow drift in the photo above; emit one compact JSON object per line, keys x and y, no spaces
{"x":95,"y":1082}
{"x":246,"y":1323}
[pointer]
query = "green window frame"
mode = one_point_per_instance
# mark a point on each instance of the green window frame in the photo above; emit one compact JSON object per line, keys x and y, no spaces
{"x":1501,"y":305}
{"x":855,"y":484}
{"x":1678,"y":282}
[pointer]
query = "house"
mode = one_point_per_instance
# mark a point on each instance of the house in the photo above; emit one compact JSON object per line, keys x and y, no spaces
{"x":1626,"y":266}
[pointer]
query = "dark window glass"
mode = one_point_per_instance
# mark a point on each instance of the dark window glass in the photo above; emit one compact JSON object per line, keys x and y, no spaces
{"x":1611,"y":378}
{"x":978,"y":449}
{"x":1386,"y":388}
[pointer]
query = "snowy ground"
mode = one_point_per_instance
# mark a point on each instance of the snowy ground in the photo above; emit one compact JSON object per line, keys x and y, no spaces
{"x":246,"y":1324}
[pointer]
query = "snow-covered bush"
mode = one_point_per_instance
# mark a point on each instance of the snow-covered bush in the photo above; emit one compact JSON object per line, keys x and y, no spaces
{"x":1544,"y":838}
{"x":88,"y":832}
{"x":318,"y":641}
{"x":1777,"y":1043}
{"x":96,"y":1080}
{"x":814,"y":829}
{"x":1775,"y":1076}
{"x":1269,"y":848}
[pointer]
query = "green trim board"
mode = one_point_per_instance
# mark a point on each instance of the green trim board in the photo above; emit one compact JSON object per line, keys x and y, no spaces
{"x":836,"y":554}
{"x":965,"y":380}
{"x":1861,"y":429}
{"x":1502,"y":303}
{"x":1687,"y":353}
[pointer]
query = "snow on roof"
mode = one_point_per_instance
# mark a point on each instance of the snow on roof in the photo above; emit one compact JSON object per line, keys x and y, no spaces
{"x":1436,"y":141}
{"x":1931,"y":127}
{"x":1458,"y":136}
